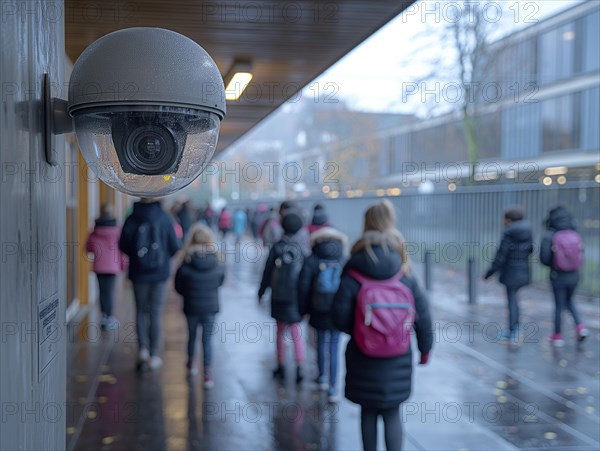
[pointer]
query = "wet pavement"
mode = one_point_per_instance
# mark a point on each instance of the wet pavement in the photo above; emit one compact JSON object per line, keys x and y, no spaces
{"x":475,"y":394}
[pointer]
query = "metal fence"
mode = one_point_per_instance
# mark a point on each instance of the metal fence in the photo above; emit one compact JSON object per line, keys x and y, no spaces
{"x":458,"y":225}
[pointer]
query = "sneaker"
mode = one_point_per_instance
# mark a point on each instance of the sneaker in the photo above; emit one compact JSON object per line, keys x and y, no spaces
{"x":322,"y":383}
{"x":109,"y":323}
{"x":582,"y":332}
{"x":279,"y":372}
{"x":556,"y":340}
{"x":155,"y":362}
{"x":191,"y":369}
{"x":512,"y":336}
{"x":208,"y":380}
{"x":504,"y":336}
{"x":332,"y":395}
{"x":142,"y":359}
{"x":143,"y":355}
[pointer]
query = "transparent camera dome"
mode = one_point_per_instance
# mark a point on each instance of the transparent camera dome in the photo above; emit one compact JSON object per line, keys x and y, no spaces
{"x":147,"y":151}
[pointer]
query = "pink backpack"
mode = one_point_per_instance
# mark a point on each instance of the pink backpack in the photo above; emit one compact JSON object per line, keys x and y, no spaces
{"x":567,"y":249}
{"x":384,"y":316}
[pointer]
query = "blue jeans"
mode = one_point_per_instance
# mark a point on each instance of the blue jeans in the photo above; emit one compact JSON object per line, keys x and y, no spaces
{"x":328,"y":339}
{"x":563,"y":299}
{"x":149,"y":302}
{"x":513,"y":308}
{"x":208,"y":328}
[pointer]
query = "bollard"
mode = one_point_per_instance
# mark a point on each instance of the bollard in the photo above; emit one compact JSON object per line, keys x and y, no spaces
{"x":472,"y":280}
{"x":428,"y":259}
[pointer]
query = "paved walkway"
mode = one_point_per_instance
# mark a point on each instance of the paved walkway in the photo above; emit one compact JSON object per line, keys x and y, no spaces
{"x":476,"y":394}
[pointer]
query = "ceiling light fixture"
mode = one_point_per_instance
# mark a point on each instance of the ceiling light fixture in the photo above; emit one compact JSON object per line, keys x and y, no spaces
{"x":237,"y":78}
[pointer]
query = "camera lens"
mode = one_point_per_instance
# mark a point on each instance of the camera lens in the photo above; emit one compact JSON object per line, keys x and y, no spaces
{"x":151,"y":149}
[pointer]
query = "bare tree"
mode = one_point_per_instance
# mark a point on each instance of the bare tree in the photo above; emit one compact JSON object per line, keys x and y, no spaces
{"x":470,"y":33}
{"x":458,"y":63}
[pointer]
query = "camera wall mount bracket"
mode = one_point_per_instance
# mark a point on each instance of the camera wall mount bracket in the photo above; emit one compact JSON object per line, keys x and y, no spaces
{"x":56,"y":120}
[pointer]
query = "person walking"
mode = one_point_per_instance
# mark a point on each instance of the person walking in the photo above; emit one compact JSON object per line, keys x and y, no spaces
{"x":225,"y":222}
{"x":512,"y":263}
{"x":379,"y":384}
{"x":198,"y":280}
{"x":561,"y":249}
{"x":318,"y":283}
{"x":148,"y":239}
{"x":270,"y":230}
{"x":281,"y":273}
{"x":174,"y":210}
{"x":239,"y":224}
{"x":185,"y":217}
{"x":258,"y":218}
{"x":103,"y":243}
{"x":208,"y":215}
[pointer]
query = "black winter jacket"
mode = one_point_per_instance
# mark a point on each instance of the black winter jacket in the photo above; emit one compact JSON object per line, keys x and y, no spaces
{"x":153,"y":213}
{"x":198,"y":280}
{"x":283,"y":310}
{"x":381,"y":383}
{"x":327,"y":244}
{"x":558,"y":219}
{"x":512,"y":257}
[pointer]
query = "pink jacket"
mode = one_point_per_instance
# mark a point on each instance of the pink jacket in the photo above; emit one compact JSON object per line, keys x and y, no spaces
{"x":103,"y":242}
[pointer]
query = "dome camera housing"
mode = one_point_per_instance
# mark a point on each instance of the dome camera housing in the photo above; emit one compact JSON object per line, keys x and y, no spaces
{"x":147,"y":104}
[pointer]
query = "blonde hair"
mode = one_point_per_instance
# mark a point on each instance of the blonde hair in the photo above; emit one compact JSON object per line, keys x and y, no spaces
{"x":380,"y":230}
{"x":200,"y":239}
{"x":380,"y":217}
{"x":200,"y":234}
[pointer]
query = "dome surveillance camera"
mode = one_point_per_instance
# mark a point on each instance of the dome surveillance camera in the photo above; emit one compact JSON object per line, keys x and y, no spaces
{"x":146,"y":104}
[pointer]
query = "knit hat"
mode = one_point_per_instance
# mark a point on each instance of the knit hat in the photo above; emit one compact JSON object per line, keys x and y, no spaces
{"x":286,"y":205}
{"x":291,"y":221}
{"x":319,"y":215}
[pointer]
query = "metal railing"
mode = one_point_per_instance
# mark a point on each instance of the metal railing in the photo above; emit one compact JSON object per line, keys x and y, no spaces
{"x":457,"y":226}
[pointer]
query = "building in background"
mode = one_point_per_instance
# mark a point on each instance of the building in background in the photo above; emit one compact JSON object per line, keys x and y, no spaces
{"x":536,"y":115}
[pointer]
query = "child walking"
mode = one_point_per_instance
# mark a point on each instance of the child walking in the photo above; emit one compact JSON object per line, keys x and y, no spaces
{"x":512,"y":263}
{"x":281,"y":273}
{"x":562,"y":250}
{"x":198,"y":280}
{"x":380,"y":384}
{"x":319,"y":281}
{"x":109,"y":261}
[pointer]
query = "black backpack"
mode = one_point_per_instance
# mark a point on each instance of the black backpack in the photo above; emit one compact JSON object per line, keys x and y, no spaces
{"x":149,"y":251}
{"x":286,"y":271}
{"x":326,"y":285}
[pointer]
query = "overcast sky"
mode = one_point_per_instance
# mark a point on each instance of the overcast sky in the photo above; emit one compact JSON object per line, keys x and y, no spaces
{"x":370,"y":77}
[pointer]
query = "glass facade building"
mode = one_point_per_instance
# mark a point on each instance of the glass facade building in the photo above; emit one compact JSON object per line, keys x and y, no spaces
{"x":541,"y":99}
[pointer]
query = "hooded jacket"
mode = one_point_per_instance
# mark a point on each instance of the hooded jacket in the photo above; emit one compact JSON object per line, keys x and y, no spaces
{"x":198,"y":280}
{"x":148,"y":213}
{"x":558,"y":219}
{"x":327,"y":244}
{"x":512,"y":257}
{"x":381,"y":383}
{"x":103,"y":242}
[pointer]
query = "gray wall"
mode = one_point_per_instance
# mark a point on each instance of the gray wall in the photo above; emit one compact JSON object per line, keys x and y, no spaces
{"x":32,"y":233}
